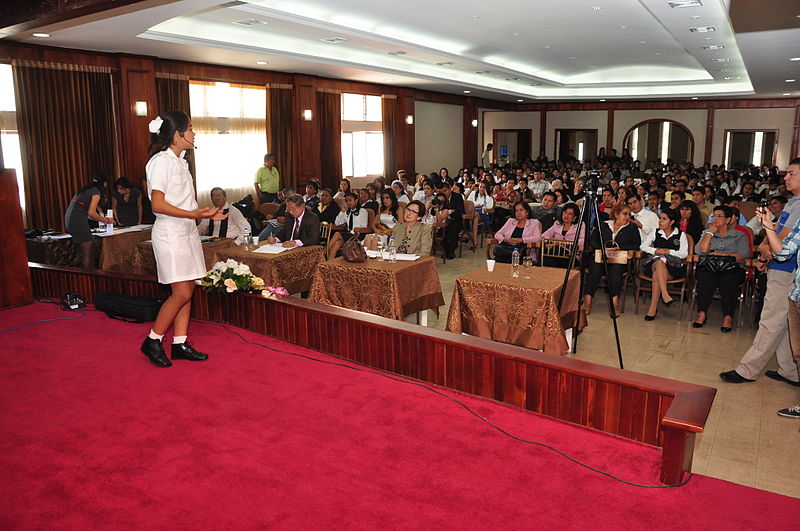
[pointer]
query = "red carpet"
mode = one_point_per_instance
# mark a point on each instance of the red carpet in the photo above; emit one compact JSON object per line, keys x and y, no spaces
{"x":93,"y":436}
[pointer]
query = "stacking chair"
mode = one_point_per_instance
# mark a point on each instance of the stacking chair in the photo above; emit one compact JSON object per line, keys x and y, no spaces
{"x":557,"y":252}
{"x":469,"y":225}
{"x":742,"y":293}
{"x":325,"y":236}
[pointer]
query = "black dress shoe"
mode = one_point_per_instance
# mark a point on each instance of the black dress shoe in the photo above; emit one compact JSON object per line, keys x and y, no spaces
{"x":775,"y":375}
{"x":734,"y":377}
{"x":184,"y":351}
{"x":670,"y":304}
{"x":650,"y":317}
{"x":725,"y":329}
{"x":698,"y":325}
{"x":154,"y":350}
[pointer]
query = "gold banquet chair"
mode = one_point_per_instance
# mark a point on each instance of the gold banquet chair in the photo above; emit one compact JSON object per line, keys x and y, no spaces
{"x":557,"y":252}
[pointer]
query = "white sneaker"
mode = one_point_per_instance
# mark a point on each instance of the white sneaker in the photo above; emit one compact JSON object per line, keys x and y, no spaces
{"x":790,"y":412}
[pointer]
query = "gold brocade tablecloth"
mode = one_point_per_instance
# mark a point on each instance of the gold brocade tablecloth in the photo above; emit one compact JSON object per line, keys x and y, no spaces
{"x":291,"y":269}
{"x":519,"y":310}
{"x":380,"y":288}
{"x":118,"y":250}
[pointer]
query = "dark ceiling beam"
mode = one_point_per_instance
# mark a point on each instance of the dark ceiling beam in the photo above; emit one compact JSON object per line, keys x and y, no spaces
{"x":17,"y":17}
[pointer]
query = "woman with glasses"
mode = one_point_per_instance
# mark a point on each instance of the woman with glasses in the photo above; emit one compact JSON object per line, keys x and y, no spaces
{"x":412,"y":235}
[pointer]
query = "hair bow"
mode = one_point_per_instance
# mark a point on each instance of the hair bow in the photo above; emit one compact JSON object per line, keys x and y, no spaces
{"x":155,"y":124}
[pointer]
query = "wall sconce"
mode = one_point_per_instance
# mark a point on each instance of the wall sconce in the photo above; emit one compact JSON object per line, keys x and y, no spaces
{"x":475,"y":123}
{"x":410,"y":119}
{"x":141,"y":108}
{"x":307,"y":115}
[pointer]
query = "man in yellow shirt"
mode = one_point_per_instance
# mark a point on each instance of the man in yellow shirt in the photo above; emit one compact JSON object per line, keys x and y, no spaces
{"x":267,"y":180}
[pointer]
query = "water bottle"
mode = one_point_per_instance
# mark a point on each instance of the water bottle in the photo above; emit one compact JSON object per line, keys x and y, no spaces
{"x":380,"y":250}
{"x":247,"y":239}
{"x":392,"y":250}
{"x":515,"y":263}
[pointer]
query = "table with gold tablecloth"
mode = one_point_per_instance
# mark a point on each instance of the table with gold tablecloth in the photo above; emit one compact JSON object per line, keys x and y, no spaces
{"x":522,"y":311}
{"x":117,"y":249}
{"x":292,"y":269}
{"x":393,"y":290}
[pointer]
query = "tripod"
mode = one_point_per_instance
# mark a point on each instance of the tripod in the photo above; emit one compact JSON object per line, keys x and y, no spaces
{"x":589,"y":207}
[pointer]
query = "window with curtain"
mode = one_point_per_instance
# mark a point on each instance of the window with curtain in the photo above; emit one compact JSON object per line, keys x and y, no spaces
{"x":230,"y":127}
{"x":9,"y":136}
{"x":362,"y":135}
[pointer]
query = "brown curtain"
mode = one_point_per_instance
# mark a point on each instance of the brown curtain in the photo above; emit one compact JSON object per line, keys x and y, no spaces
{"x":66,"y":125}
{"x":173,"y":95}
{"x":329,"y":109}
{"x":279,"y":132}
{"x":389,"y":111}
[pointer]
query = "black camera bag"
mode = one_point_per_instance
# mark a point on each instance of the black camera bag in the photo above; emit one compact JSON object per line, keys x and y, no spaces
{"x":127,"y":308}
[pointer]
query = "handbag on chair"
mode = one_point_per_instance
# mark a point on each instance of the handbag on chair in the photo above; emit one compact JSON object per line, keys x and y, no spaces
{"x":353,"y":251}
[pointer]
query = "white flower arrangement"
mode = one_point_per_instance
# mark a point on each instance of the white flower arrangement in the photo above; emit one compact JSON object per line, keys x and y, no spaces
{"x":230,"y":276}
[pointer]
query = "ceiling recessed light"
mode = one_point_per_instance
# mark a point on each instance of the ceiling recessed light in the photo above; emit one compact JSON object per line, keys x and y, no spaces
{"x":721,"y":60}
{"x":572,"y":57}
{"x":708,"y":38}
{"x":623,"y":27}
{"x":41,"y":35}
{"x":512,"y":79}
{"x":515,"y":34}
{"x":397,"y":52}
{"x":790,"y":80}
{"x":694,"y":98}
{"x":723,"y":70}
{"x":446,"y":63}
{"x":467,"y":91}
{"x":703,"y":29}
{"x":675,"y":4}
{"x":658,"y":53}
{"x":520,"y":101}
{"x":794,"y":58}
{"x":250,"y":22}
{"x":546,"y":46}
{"x":333,"y":40}
{"x":536,"y":84}
{"x":696,"y":17}
{"x":642,"y":42}
{"x":475,"y":17}
{"x":596,"y":8}
{"x":261,"y":62}
{"x":602,"y":100}
{"x":786,"y":94}
{"x":713,"y":46}
{"x":728,"y":78}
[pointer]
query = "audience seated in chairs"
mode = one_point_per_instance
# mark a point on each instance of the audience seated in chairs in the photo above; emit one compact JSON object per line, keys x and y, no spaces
{"x":312,"y":195}
{"x":564,"y":230}
{"x":722,"y":251}
{"x":413,"y":236}
{"x":344,"y":188}
{"x":232,"y":227}
{"x":455,"y":205}
{"x":275,"y":222}
{"x":301,"y":227}
{"x":665,"y":249}
{"x":400,"y":191}
{"x":389,"y":214}
{"x":691,"y":221}
{"x":616,"y":233}
{"x":517,"y":233}
{"x":547,"y":213}
{"x":327,"y":209}
{"x":351,"y":221}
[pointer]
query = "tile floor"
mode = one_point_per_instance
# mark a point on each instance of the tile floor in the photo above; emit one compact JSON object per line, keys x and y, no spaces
{"x":744,"y":440}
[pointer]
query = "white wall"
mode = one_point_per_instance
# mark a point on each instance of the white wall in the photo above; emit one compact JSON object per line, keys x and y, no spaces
{"x":575,"y":120}
{"x":780,"y":119}
{"x":511,"y":120}
{"x":693,"y":119}
{"x":438,"y":137}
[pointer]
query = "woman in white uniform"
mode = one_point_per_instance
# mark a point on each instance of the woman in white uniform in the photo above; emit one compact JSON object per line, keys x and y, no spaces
{"x":176,"y":243}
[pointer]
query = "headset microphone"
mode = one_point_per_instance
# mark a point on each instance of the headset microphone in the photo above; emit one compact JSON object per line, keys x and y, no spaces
{"x":181,"y":134}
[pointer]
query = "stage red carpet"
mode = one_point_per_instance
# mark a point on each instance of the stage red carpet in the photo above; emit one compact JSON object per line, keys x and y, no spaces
{"x":93,"y":436}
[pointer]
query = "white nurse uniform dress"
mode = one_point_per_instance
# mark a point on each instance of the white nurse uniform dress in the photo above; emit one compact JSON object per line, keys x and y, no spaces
{"x":176,"y":243}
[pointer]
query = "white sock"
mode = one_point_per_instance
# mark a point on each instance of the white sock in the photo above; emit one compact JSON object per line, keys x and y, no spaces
{"x":153,"y":335}
{"x":177,"y":340}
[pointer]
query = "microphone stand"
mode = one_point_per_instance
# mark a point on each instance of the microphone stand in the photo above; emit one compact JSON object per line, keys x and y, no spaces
{"x":588,"y":208}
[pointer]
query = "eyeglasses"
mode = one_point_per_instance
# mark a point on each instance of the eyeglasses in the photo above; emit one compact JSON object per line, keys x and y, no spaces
{"x":412,"y":211}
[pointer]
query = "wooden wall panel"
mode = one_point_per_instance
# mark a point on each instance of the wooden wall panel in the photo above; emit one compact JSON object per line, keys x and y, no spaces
{"x":137,"y":82}
{"x":15,"y":280}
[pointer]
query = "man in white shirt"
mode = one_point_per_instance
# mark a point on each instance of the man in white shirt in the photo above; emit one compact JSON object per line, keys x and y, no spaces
{"x":539,"y":186}
{"x":232,"y":227}
{"x":646,"y":220}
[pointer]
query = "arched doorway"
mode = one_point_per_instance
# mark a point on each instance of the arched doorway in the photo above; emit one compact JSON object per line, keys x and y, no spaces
{"x":659,"y":139}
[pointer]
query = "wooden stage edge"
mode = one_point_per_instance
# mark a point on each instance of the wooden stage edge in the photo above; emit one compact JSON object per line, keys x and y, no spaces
{"x":653,"y":410}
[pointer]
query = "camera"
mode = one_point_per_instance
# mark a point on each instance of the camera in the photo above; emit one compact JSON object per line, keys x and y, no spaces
{"x":762,"y":206}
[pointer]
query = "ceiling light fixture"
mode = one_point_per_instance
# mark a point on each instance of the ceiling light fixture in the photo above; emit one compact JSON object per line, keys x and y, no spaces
{"x":333,"y":40}
{"x":512,"y":79}
{"x":467,"y":91}
{"x":596,"y":8}
{"x":446,"y":63}
{"x":42,"y":35}
{"x":714,"y":47}
{"x":794,"y":58}
{"x":398,"y":52}
{"x":250,"y":22}
{"x":677,"y":4}
{"x":642,"y":42}
{"x":728,"y":78}
{"x":602,"y":100}
{"x":790,"y":80}
{"x":696,"y":17}
{"x":694,"y":98}
{"x":721,"y":60}
{"x":520,"y":101}
{"x":723,"y":70}
{"x":703,"y":29}
{"x":623,"y":27}
{"x":572,"y":57}
{"x":786,"y":94}
{"x":261,"y":62}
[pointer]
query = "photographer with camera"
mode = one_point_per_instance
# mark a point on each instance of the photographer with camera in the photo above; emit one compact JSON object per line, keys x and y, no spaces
{"x":450,"y":204}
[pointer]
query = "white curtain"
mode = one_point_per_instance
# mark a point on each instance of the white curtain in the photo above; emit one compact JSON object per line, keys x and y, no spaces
{"x":231,"y":137}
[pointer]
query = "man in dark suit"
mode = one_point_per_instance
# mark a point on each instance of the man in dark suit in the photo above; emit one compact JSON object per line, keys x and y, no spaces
{"x":455,"y":203}
{"x":301,"y":229}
